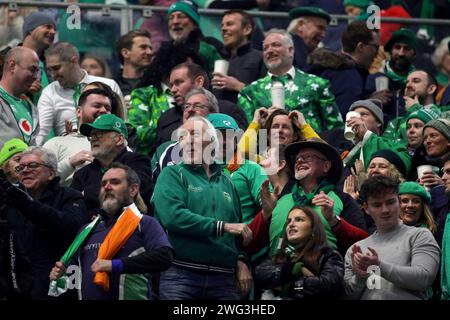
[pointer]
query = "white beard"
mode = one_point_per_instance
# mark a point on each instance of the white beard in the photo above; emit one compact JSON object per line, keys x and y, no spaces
{"x":111,"y":205}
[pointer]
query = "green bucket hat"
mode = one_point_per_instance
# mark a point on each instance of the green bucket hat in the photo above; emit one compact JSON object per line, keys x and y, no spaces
{"x":402,"y":35}
{"x":416,"y":189}
{"x":10,"y":148}
{"x":188,"y":7}
{"x":105,"y":122}
{"x":223,"y":121}
{"x":309,"y":12}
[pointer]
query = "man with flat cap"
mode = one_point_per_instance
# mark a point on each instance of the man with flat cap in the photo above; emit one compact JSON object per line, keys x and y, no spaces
{"x":311,"y":26}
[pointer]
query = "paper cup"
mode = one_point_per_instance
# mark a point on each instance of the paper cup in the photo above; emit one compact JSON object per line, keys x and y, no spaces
{"x":381,"y":83}
{"x":277,"y":93}
{"x":221,"y":66}
{"x":349,"y":134}
{"x":422,"y":169}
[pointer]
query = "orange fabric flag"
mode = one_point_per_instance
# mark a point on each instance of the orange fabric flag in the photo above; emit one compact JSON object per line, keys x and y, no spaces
{"x":122,"y":230}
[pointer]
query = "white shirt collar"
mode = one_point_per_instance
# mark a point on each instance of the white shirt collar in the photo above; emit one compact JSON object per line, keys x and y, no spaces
{"x":291,"y":72}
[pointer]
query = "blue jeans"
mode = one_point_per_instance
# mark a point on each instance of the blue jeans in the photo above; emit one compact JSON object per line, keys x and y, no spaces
{"x":182,"y":284}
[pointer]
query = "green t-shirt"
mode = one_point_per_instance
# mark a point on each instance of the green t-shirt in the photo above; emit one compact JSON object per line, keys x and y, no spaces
{"x":21,"y":109}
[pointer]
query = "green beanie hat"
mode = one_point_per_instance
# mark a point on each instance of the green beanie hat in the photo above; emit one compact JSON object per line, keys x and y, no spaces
{"x":363,"y":4}
{"x":416,"y":189}
{"x":10,"y":148}
{"x":188,"y":7}
{"x":402,"y":35}
{"x":424,"y":115}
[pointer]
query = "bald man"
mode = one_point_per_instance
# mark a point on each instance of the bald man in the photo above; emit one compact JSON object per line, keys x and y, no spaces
{"x":18,"y":115}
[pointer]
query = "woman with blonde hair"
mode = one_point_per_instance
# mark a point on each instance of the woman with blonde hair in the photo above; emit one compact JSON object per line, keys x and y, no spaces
{"x":414,"y":209}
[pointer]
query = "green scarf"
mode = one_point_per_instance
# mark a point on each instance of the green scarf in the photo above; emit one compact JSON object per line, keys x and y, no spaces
{"x":21,"y":109}
{"x":445,"y":261}
{"x":303,"y":199}
{"x":394,"y":76}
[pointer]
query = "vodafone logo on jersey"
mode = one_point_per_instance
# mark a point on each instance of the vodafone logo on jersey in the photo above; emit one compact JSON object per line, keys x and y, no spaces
{"x":25,"y":126}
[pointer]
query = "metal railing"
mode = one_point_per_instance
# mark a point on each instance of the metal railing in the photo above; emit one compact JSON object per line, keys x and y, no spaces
{"x":147,"y":12}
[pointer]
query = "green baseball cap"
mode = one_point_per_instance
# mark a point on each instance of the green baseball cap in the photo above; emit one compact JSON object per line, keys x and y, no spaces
{"x":105,"y":122}
{"x":363,"y":4}
{"x":309,"y":12}
{"x":10,"y":148}
{"x":223,"y":121}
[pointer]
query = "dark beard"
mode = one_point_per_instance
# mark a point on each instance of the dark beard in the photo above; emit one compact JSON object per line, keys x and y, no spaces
{"x":400,"y":64}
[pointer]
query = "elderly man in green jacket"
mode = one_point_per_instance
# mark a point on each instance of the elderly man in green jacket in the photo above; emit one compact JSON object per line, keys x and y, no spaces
{"x":198,"y":205}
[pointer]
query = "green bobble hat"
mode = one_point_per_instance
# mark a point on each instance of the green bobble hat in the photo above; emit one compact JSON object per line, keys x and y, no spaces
{"x":10,"y":148}
{"x":223,"y":121}
{"x":401,"y":160}
{"x":424,"y":115}
{"x":105,"y":122}
{"x":363,"y":4}
{"x":402,"y":35}
{"x":188,"y":7}
{"x":309,"y":12}
{"x":416,"y":189}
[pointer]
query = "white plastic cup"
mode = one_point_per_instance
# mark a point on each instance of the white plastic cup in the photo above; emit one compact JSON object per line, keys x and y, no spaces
{"x":422,"y":169}
{"x":221,"y":66}
{"x":381,"y":83}
{"x":277,"y":93}
{"x":349,"y":134}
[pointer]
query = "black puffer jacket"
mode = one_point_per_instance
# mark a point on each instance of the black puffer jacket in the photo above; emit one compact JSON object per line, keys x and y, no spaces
{"x":328,"y":283}
{"x":347,"y":78}
{"x":51,"y":224}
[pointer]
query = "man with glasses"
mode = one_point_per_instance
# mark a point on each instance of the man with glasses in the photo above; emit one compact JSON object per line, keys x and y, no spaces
{"x":52,"y":214}
{"x":317,"y":168}
{"x":108,"y":137}
{"x":348,"y":71}
{"x":18,"y":115}
{"x":183,"y":78}
{"x":59,"y":100}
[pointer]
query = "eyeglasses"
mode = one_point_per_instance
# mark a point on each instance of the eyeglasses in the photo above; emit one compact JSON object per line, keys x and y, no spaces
{"x":31,"y":166}
{"x":97,"y":135}
{"x":308,"y":158}
{"x":195,"y":106}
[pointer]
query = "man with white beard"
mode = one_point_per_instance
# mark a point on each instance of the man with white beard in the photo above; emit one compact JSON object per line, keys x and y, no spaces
{"x":122,"y":249}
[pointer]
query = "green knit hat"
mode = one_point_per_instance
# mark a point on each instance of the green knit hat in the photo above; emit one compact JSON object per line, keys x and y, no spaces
{"x":424,"y":115}
{"x":10,"y":148}
{"x":105,"y":122}
{"x":416,"y":189}
{"x":188,"y":7}
{"x":309,"y":12}
{"x":402,"y":35}
{"x":363,"y":4}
